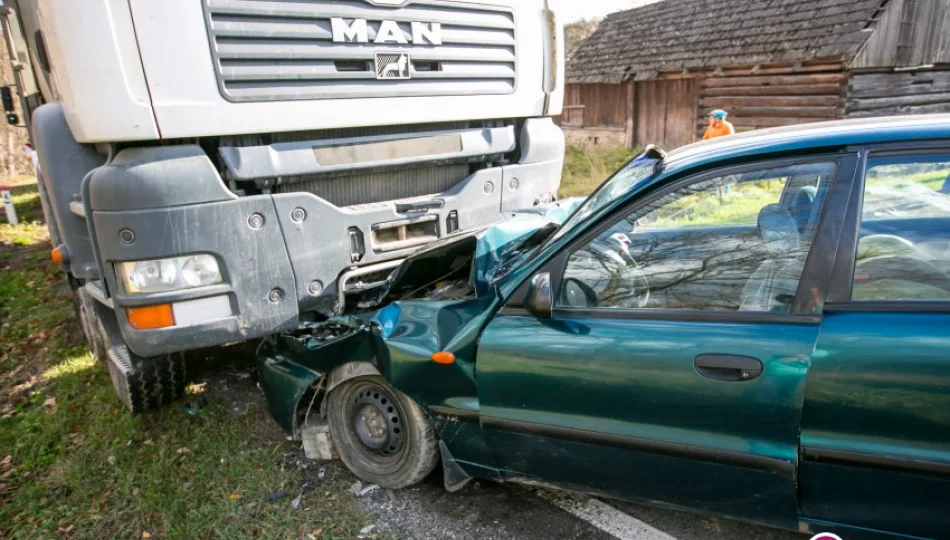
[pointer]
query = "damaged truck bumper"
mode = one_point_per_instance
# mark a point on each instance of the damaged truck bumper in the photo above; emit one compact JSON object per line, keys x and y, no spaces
{"x":283,"y":253}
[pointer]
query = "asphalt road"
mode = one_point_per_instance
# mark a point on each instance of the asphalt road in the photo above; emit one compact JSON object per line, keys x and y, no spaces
{"x":486,"y":511}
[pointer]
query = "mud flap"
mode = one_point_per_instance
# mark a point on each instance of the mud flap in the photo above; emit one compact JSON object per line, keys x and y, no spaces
{"x":453,"y":476}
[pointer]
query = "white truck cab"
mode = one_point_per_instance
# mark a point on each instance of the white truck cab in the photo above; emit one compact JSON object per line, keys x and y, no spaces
{"x":215,"y":171}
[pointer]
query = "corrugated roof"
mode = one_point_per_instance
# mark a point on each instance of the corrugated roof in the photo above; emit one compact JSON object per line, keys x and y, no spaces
{"x":673,"y":35}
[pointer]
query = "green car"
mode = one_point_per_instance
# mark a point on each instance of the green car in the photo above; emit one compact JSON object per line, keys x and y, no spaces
{"x":756,"y":327}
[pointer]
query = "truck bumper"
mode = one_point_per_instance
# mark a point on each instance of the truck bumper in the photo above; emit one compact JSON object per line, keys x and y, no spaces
{"x":280,"y":255}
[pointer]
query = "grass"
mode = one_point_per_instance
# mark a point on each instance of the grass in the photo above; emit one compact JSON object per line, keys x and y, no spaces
{"x":585,"y":169}
{"x":75,"y":464}
{"x":741,"y":206}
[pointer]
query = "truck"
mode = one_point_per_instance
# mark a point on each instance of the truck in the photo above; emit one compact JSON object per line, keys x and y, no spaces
{"x":219,"y":171}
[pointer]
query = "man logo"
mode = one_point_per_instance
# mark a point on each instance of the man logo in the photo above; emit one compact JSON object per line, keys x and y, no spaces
{"x":357,"y":31}
{"x":392,"y":66}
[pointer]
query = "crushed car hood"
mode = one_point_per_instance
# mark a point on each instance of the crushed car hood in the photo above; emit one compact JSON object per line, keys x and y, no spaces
{"x":482,"y":253}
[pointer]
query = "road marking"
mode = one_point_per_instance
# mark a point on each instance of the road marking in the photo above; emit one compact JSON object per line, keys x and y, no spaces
{"x":603,"y":516}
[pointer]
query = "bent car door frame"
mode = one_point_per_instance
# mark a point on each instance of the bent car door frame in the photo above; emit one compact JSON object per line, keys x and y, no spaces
{"x":609,"y":400}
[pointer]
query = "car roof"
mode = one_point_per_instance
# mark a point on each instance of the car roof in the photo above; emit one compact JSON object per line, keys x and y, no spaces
{"x":809,"y":138}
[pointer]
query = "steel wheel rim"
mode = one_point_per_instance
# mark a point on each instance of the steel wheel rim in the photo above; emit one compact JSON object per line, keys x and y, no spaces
{"x":376,"y":421}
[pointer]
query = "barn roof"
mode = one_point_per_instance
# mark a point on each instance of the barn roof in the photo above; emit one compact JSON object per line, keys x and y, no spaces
{"x":673,"y":35}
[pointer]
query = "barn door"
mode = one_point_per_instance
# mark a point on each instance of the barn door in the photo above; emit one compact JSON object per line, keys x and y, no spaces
{"x":666,"y":112}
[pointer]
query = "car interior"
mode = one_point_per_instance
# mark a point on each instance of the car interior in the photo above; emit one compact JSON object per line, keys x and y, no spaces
{"x":706,"y":247}
{"x":904,"y":242}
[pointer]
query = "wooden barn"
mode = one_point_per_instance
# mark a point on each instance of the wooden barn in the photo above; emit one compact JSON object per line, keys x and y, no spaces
{"x":653,"y":73}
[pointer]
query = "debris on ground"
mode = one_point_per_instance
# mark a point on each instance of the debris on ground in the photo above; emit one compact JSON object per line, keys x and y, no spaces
{"x":366,"y":531}
{"x":317,"y":443}
{"x":356,"y":487}
{"x":276,"y":496}
{"x":368,"y":489}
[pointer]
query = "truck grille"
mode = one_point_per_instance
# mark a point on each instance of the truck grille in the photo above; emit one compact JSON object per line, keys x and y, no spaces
{"x":378,"y":187}
{"x":266,"y":50}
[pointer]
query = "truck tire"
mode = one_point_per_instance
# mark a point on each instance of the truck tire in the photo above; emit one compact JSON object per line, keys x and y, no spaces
{"x":143,"y":384}
{"x":382,"y":436}
{"x":90,"y":324}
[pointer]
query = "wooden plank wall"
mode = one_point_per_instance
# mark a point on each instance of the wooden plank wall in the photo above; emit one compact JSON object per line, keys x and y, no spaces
{"x":665,"y":112}
{"x":773,"y":96}
{"x":884,"y":94}
{"x":604,"y":105}
{"x":907,"y":33}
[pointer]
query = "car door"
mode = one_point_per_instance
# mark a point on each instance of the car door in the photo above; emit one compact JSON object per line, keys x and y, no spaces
{"x":876,"y":419}
{"x":672,"y":367}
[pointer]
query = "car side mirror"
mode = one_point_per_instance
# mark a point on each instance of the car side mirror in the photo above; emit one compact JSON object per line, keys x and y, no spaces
{"x":540,"y":300}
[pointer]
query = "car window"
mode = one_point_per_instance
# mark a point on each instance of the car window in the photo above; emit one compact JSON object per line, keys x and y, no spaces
{"x":735,"y":242}
{"x":904,"y":244}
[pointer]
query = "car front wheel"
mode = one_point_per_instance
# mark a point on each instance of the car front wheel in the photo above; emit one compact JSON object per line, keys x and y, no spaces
{"x":381,"y":434}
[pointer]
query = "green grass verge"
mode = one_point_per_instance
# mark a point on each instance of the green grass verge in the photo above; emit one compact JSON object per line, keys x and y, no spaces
{"x":585,"y":169}
{"x":75,"y":464}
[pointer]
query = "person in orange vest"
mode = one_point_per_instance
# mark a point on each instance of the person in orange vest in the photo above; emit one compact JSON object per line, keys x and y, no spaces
{"x":718,"y":126}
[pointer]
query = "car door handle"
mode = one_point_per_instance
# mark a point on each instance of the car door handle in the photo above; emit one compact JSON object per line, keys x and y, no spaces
{"x":728,"y":367}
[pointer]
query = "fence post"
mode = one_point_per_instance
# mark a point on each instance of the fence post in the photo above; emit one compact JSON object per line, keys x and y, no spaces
{"x":8,"y":205}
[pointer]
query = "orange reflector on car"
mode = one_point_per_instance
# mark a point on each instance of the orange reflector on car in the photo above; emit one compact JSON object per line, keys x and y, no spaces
{"x":443,"y":357}
{"x":57,"y":255}
{"x":151,"y":317}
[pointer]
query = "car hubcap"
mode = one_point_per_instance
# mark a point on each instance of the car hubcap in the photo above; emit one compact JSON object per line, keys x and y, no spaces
{"x":377,"y":421}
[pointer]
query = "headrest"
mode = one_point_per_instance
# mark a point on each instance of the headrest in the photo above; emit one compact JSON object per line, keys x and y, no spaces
{"x":803,"y":205}
{"x":778,"y":228}
{"x":805,"y":195}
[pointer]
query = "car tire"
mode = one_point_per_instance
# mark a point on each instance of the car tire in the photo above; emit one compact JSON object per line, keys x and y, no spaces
{"x":143,"y":384}
{"x":382,"y":435}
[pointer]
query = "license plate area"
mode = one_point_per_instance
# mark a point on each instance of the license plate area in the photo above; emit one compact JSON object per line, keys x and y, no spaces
{"x":406,"y":233}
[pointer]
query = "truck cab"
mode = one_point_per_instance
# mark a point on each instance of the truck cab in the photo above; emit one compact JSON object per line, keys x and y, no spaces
{"x":223,"y":170}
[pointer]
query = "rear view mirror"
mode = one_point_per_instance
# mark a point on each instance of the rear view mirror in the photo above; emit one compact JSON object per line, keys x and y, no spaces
{"x":539,"y":300}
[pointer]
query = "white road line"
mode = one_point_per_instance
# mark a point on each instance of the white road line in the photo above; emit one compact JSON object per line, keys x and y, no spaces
{"x":603,"y":516}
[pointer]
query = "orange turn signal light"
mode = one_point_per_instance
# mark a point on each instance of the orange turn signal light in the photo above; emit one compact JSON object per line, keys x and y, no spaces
{"x":151,"y":317}
{"x":443,"y":357}
{"x":57,"y":255}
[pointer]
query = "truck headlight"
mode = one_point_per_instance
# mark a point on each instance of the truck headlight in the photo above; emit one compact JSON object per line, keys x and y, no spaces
{"x":174,"y":274}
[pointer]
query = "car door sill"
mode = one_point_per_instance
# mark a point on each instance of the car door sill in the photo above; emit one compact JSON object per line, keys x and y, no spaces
{"x":465,"y":415}
{"x":682,"y":451}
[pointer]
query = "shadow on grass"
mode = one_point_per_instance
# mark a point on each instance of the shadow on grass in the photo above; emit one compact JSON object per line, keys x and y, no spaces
{"x":75,"y":463}
{"x":208,"y":466}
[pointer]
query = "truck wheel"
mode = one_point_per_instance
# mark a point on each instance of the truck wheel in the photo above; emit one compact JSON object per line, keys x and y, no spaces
{"x":89,"y":321}
{"x":381,"y":434}
{"x":143,"y":384}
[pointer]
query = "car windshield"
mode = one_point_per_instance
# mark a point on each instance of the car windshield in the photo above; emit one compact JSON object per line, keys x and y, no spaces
{"x":638,"y":169}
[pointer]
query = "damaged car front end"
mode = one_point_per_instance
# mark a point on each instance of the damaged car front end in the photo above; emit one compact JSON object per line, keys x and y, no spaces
{"x":417,"y":333}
